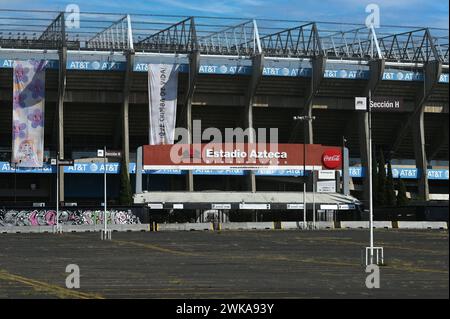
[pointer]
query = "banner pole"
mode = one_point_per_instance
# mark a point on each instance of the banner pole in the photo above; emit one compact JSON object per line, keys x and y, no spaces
{"x":104,"y":188}
{"x":57,"y":192}
{"x":370,"y":179}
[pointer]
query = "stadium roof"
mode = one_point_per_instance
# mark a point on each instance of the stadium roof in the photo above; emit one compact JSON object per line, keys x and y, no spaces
{"x":33,"y":29}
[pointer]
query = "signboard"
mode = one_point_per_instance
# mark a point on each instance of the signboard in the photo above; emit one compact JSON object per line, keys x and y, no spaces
{"x":254,"y":206}
{"x":386,"y":104}
{"x":294,"y":206}
{"x":113,"y":153}
{"x":380,"y":104}
{"x":102,"y":153}
{"x":360,"y":103}
{"x":329,"y":207}
{"x":220,"y":206}
{"x":326,"y":187}
{"x":327,"y":174}
{"x":346,"y":206}
{"x":155,"y":206}
{"x":332,"y":158}
{"x":62,"y":162}
{"x":215,"y":156}
{"x":65,"y":162}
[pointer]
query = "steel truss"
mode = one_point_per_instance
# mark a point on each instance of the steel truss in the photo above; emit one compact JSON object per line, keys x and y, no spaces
{"x":301,"y":41}
{"x":241,"y":40}
{"x":178,"y":38}
{"x":118,"y":36}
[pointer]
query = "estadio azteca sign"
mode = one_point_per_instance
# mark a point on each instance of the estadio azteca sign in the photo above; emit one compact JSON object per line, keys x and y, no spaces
{"x":229,"y":156}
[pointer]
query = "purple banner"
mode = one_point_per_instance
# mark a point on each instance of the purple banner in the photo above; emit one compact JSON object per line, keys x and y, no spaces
{"x":28,"y":113}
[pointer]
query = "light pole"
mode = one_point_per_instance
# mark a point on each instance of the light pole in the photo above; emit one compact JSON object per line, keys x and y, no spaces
{"x":370,"y":179}
{"x":15,"y":183}
{"x":104,"y":191}
{"x":303,"y":119}
{"x":57,"y":192}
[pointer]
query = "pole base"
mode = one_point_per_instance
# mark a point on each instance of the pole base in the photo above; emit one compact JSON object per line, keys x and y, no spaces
{"x":105,"y":234}
{"x":57,"y":229}
{"x":377,"y":257}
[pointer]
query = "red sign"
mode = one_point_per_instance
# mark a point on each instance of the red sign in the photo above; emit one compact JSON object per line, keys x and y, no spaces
{"x":332,"y":158}
{"x":232,"y":156}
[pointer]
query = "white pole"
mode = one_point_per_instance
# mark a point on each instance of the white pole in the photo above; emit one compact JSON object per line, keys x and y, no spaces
{"x":57,"y":192}
{"x":104,"y":188}
{"x":370,"y":180}
{"x":314,"y":199}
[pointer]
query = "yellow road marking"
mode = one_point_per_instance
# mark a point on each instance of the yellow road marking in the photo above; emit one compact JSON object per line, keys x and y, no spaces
{"x":154,"y":247}
{"x":43,"y":286}
{"x":340,"y":241}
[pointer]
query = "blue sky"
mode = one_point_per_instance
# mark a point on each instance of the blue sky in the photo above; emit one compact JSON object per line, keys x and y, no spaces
{"x":432,"y":13}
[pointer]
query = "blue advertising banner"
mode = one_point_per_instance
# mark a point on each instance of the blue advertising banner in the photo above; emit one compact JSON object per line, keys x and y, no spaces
{"x":114,"y":168}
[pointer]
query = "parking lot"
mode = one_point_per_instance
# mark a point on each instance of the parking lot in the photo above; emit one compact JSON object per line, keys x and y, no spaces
{"x":227,"y":264}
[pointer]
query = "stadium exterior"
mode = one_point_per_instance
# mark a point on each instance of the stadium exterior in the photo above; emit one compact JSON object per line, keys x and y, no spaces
{"x":234,"y":73}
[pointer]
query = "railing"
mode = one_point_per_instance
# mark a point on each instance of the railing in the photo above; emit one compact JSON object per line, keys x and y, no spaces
{"x":441,"y":45}
{"x":359,"y":43}
{"x":34,"y":29}
{"x":301,"y":41}
{"x":178,"y":38}
{"x":118,"y":36}
{"x":411,"y":46}
{"x":242,"y":40}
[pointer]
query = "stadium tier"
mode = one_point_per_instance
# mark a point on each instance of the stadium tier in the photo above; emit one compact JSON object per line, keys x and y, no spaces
{"x":233,"y":73}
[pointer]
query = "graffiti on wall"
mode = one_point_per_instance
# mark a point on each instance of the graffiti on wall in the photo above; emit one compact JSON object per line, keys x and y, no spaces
{"x":42,"y":217}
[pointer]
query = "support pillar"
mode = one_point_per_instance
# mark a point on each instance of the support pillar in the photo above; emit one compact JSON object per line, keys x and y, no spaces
{"x":124,"y":112}
{"x":194,"y":63}
{"x":432,"y":71}
{"x":318,"y":68}
{"x":418,"y":132}
{"x":257,"y":71}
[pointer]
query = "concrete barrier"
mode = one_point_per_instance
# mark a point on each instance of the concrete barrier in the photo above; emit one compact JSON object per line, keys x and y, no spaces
{"x":73,"y":228}
{"x":299,"y":225}
{"x":421,"y":225}
{"x":132,"y":227}
{"x":185,"y":226}
{"x":247,"y":226}
{"x":365,"y":224}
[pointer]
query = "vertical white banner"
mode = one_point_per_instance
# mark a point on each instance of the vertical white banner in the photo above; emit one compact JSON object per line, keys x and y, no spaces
{"x":162,"y":92}
{"x":28,"y":113}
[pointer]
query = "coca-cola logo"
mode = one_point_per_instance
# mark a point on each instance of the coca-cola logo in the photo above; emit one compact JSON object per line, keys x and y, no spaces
{"x":332,"y":158}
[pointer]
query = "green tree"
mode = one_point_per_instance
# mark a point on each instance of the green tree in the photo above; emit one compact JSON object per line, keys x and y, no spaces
{"x":381,"y":187}
{"x":402,"y":200}
{"x":389,"y":190}
{"x":126,"y":196}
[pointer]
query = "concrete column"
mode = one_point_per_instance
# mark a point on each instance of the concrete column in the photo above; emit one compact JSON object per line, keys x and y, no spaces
{"x":431,"y":71}
{"x":439,"y":141}
{"x":418,"y":132}
{"x":124,"y":112}
{"x":376,"y":75}
{"x":60,"y":115}
{"x":194,"y":63}
{"x":318,"y":68}
{"x":257,"y":70}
